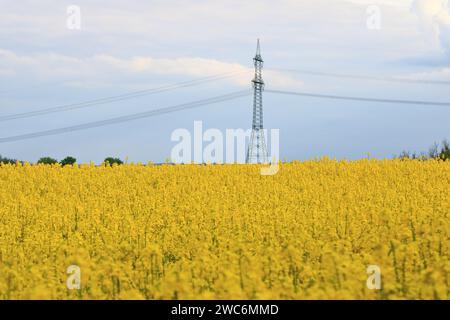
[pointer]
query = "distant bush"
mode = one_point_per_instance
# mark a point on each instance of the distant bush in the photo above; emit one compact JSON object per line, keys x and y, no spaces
{"x":111,"y":161}
{"x":445,"y":151}
{"x":435,"y":152}
{"x":414,"y":156}
{"x":7,"y":160}
{"x":68,"y":161}
{"x":47,"y":160}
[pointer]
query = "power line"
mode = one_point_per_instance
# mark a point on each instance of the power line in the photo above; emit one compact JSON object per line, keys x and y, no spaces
{"x":130,"y":95}
{"x":131,"y":117}
{"x":362,"y":77}
{"x":351,"y":98}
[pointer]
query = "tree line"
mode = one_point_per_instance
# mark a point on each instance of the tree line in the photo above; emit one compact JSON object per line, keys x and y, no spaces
{"x":436,"y":151}
{"x":67,"y":161}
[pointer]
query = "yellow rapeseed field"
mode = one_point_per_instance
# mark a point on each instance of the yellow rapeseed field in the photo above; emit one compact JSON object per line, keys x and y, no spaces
{"x":225,"y":231}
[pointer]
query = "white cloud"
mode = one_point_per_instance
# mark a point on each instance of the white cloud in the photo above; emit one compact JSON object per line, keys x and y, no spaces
{"x":99,"y":68}
{"x":434,"y":16}
{"x":193,"y":67}
{"x":437,"y":75}
{"x":403,"y":4}
{"x":306,"y":32}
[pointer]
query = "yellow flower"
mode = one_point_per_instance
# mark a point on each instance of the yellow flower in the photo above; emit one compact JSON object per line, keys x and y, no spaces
{"x":226,"y":232}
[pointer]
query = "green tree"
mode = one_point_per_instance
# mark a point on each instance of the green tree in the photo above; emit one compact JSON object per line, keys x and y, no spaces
{"x":7,"y":160}
{"x":110,"y":161}
{"x":68,"y":161}
{"x":47,"y":160}
{"x":435,"y":152}
{"x":445,"y":152}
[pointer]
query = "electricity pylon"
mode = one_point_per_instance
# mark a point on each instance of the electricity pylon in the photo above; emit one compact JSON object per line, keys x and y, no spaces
{"x":257,"y":151}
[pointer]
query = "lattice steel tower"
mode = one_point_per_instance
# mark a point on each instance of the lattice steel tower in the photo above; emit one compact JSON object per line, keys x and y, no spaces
{"x":257,"y":151}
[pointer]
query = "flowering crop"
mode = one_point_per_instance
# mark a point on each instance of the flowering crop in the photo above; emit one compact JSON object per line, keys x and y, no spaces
{"x":225,"y":231}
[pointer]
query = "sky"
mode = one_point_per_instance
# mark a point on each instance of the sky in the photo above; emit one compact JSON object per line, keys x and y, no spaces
{"x":126,"y":46}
